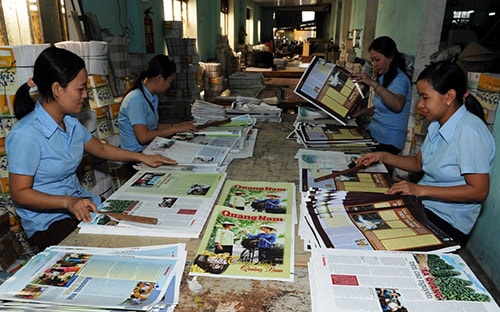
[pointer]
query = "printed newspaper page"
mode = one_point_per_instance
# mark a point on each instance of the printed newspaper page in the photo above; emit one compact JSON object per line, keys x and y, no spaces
{"x":86,"y":277}
{"x":260,"y":196}
{"x":246,"y":244}
{"x":354,"y":181}
{"x":378,"y":281}
{"x":328,"y":87}
{"x":315,"y":165}
{"x":191,"y":155}
{"x":180,"y":201}
{"x":358,"y":220}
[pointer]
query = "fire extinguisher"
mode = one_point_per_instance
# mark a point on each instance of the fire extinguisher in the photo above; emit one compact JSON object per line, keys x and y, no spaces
{"x":148,"y":28}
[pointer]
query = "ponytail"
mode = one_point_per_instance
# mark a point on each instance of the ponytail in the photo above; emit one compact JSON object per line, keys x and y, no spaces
{"x":136,"y":84}
{"x":159,"y":65}
{"x":23,"y":102}
{"x":473,"y":106}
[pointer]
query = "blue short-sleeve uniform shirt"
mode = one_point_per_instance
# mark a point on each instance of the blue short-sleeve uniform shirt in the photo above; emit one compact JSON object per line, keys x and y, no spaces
{"x":386,"y":126}
{"x":135,"y":110}
{"x":38,"y":147}
{"x":463,"y":145}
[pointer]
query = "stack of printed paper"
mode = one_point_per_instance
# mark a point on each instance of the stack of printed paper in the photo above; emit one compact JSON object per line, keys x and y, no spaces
{"x":344,"y":206}
{"x":340,"y":138}
{"x":180,"y":201}
{"x":192,"y":156}
{"x":67,"y":278}
{"x":375,"y":281}
{"x":374,"y":221}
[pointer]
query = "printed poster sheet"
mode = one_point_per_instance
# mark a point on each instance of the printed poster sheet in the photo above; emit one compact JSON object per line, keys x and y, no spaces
{"x":123,"y":279}
{"x":246,"y":244}
{"x":378,"y":281}
{"x":180,"y":201}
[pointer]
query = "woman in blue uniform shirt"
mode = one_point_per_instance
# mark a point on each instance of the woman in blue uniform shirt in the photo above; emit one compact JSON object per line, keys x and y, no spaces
{"x":46,"y":146}
{"x":457,"y":155}
{"x":138,"y":119}
{"x":392,"y":95}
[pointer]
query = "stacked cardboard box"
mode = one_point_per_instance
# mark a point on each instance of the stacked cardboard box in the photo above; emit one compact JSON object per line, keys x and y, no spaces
{"x":10,"y":247}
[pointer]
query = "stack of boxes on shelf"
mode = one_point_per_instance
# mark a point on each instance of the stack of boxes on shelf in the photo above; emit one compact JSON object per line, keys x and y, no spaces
{"x":10,"y":246}
{"x":486,"y":88}
{"x":16,"y":67}
{"x":215,"y":75}
{"x":230,"y":63}
{"x":213,"y":80}
{"x":185,"y":89}
{"x":347,"y":53}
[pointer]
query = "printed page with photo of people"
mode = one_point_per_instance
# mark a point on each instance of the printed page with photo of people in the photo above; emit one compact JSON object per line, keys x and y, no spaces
{"x":181,"y":203}
{"x":107,"y":278}
{"x":384,"y":281}
{"x":260,"y":196}
{"x":246,"y":244}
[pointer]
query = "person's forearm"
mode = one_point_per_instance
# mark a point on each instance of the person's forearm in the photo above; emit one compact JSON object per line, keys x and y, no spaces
{"x":33,"y":199}
{"x":407,"y":163}
{"x":149,"y":135}
{"x":168,"y":130}
{"x":395,"y":102}
{"x":113,"y":153}
{"x":459,"y":194}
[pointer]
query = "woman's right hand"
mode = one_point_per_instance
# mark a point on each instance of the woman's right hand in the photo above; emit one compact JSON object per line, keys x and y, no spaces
{"x":186,"y":126}
{"x":370,"y":158}
{"x":363,"y":78}
{"x":157,"y":160}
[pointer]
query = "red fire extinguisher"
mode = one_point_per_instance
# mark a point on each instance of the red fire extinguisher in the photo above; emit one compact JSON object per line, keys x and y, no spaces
{"x":148,"y":28}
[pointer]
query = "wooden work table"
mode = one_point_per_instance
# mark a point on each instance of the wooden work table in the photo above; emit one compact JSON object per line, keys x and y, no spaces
{"x":273,"y":161}
{"x":280,"y":87}
{"x":287,"y":72}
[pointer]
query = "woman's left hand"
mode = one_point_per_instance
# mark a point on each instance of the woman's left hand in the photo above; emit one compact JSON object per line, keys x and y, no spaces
{"x":403,"y":188}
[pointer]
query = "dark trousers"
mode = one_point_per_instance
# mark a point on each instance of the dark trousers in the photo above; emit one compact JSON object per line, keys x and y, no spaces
{"x":56,"y":232}
{"x":387,"y":148}
{"x":225,"y":248}
{"x":457,"y":235}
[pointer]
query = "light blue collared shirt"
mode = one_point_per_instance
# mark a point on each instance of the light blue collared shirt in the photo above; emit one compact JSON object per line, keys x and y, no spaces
{"x":135,"y":110}
{"x":38,"y":147}
{"x":463,"y":145}
{"x":386,"y":126}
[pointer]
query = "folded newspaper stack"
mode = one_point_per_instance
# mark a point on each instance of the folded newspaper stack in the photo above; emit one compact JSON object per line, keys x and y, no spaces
{"x":261,"y":109}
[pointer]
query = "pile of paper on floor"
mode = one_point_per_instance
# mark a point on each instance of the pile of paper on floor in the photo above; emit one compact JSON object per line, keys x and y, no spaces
{"x":179,"y":201}
{"x":375,"y":281}
{"x":261,"y":109}
{"x":69,"y":278}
